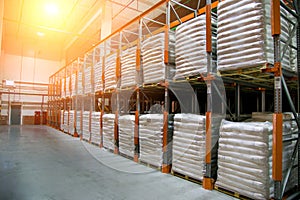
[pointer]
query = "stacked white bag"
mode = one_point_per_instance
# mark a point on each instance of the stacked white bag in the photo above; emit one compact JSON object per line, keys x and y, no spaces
{"x":154,"y":68}
{"x":150,"y":136}
{"x":68,"y":91}
{"x":245,"y":156}
{"x":108,"y":131}
{"x":62,"y":125}
{"x":98,"y":76}
{"x":190,"y":48}
{"x":71,"y":129}
{"x":85,"y":125}
{"x":63,"y":93}
{"x":244,"y":35}
{"x":189,"y":145}
{"x":95,"y":128}
{"x":126,"y":134}
{"x":87,"y":80}
{"x":128,"y":69}
{"x":79,"y":84}
{"x":110,"y":72}
{"x":73,"y":85}
{"x":78,"y":122}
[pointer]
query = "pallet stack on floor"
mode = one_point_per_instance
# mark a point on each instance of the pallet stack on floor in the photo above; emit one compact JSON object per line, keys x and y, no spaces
{"x":189,"y":145}
{"x":85,"y":125}
{"x":126,"y":135}
{"x":245,"y":155}
{"x":95,"y":128}
{"x":108,"y":131}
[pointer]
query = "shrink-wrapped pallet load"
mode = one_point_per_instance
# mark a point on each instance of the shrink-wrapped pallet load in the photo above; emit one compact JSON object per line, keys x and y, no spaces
{"x":189,"y":145}
{"x":79,"y":84}
{"x":98,"y":77}
{"x":85,"y":125}
{"x":244,"y":35}
{"x":108,"y":131}
{"x":110,"y":72}
{"x":78,"y":122}
{"x":150,"y":138}
{"x":190,"y":48}
{"x":245,"y":156}
{"x":63,"y":93}
{"x":73,"y":85}
{"x":95,"y":128}
{"x":66,"y":125}
{"x":68,"y":91}
{"x":71,"y":122}
{"x":87,"y":80}
{"x":126,"y":134}
{"x":153,"y":50}
{"x":62,"y":125}
{"x":128,"y":67}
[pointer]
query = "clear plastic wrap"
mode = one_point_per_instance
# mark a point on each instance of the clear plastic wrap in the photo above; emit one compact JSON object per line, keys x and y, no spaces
{"x":85,"y":125}
{"x":95,"y":128}
{"x":150,"y":137}
{"x":128,"y":69}
{"x":189,"y":145}
{"x":190,"y":48}
{"x":152,"y":50}
{"x":126,"y":134}
{"x":244,"y":35}
{"x":110,"y":72}
{"x":98,"y":76}
{"x":87,"y":80}
{"x":108,"y":131}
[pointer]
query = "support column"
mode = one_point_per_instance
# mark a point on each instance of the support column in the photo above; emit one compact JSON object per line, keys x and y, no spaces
{"x":277,"y":116}
{"x":208,"y":181}
{"x":166,"y":165}
{"x":237,"y":102}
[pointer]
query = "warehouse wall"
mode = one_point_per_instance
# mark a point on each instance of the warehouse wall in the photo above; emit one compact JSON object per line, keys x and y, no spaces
{"x":21,"y":68}
{"x":25,"y":69}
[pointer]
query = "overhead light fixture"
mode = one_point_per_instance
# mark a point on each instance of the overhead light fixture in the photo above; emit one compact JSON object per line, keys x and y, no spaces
{"x":51,"y":9}
{"x":40,"y":34}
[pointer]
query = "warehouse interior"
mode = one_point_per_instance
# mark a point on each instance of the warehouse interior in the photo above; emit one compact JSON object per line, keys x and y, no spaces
{"x":198,"y":97}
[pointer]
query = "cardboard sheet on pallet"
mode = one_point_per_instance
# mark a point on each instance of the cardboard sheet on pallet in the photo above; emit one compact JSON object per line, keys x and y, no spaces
{"x":244,"y":35}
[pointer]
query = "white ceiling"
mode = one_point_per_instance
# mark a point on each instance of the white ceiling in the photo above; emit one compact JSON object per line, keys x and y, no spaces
{"x":70,"y":33}
{"x":67,"y":35}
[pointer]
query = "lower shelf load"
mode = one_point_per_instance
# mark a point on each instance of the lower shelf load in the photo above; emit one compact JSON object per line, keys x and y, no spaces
{"x":189,"y":145}
{"x":85,"y":125}
{"x":108,"y":131}
{"x":245,"y":156}
{"x":151,"y":135}
{"x":126,"y":134}
{"x":95,"y":128}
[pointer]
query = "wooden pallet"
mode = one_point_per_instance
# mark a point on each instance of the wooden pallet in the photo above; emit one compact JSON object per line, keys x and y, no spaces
{"x":231,"y":193}
{"x":186,"y":177}
{"x":126,"y":156}
{"x":150,"y":165}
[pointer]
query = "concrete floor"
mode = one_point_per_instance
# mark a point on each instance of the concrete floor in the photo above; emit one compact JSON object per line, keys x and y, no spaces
{"x":41,"y":163}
